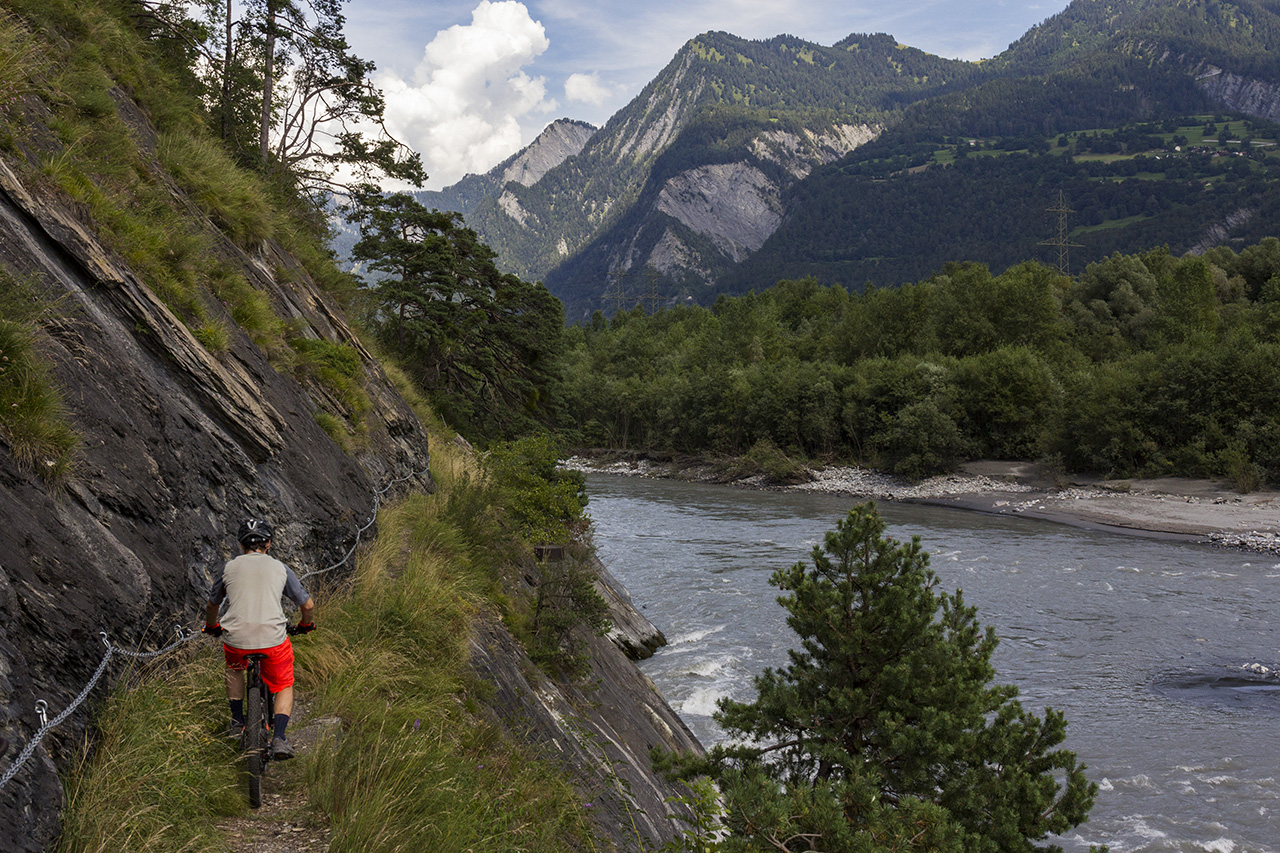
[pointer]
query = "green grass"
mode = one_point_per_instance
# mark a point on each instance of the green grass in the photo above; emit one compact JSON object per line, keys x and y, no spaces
{"x":34,"y":423}
{"x":339,"y":369}
{"x":233,"y":198}
{"x":159,"y":775}
{"x":78,"y":58}
{"x":416,"y":769}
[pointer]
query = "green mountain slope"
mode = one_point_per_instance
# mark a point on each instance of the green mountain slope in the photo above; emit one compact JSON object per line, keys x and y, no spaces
{"x":1106,"y":103}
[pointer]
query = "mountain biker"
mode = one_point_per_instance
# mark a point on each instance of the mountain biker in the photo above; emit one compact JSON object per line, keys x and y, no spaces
{"x":252,"y":585}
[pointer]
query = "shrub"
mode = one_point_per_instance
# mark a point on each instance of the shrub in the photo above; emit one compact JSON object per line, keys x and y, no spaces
{"x":545,"y":504}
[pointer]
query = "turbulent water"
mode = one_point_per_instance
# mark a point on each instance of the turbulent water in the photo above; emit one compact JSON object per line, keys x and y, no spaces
{"x":1160,"y":653}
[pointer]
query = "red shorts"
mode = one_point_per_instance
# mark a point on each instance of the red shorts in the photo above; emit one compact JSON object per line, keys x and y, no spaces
{"x":277,"y":669}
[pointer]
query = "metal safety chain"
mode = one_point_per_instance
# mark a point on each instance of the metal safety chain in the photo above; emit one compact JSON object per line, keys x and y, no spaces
{"x":42,"y":706}
{"x":377,"y":501}
{"x":184,"y":635}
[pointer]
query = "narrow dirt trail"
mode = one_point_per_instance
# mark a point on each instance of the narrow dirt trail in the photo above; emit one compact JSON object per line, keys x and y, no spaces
{"x":285,"y":823}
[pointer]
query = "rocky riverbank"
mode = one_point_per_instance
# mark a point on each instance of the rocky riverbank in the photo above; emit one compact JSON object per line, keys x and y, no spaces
{"x":1196,"y":510}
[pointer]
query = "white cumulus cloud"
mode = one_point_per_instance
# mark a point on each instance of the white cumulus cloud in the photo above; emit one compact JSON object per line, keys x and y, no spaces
{"x":586,"y":88}
{"x":462,"y":109}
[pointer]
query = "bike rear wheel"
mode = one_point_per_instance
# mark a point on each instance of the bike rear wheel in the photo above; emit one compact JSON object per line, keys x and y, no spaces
{"x":255,"y":741}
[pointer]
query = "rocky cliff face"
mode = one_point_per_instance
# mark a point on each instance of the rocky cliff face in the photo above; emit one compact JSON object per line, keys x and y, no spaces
{"x":559,"y":141}
{"x":179,"y":444}
{"x":735,"y":207}
{"x":602,"y":727}
{"x":1242,"y":94}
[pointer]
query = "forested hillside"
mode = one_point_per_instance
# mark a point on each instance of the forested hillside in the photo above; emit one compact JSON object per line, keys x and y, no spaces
{"x":1101,"y":94}
{"x":1144,"y":364}
{"x":1187,"y":183}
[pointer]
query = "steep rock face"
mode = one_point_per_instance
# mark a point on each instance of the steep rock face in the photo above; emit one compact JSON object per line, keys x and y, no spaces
{"x":728,"y":210}
{"x":177,"y":445}
{"x":734,"y":204}
{"x":561,"y":140}
{"x":1243,"y":94}
{"x":602,"y":727}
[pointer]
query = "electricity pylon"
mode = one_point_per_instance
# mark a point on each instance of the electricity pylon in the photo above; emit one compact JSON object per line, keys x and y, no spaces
{"x":1063,"y":242}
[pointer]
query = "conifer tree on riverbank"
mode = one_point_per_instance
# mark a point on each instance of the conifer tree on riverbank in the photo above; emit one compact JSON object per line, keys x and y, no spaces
{"x":885,"y":731}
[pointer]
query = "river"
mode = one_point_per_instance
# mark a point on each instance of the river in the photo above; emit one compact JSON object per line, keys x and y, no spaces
{"x":1158,"y":652}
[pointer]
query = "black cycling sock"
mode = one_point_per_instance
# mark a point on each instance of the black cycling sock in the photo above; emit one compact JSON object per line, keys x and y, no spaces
{"x":237,"y":711}
{"x":281,"y":721}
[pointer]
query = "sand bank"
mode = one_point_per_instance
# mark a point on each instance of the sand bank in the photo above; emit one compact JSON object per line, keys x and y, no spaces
{"x":1200,"y":510}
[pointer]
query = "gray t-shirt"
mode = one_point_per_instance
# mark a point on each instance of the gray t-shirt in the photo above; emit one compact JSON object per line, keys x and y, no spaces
{"x":253,"y":585}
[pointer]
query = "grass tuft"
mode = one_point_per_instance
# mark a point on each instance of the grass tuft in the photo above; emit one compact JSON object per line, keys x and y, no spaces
{"x":33,"y":420}
{"x":232,"y":197}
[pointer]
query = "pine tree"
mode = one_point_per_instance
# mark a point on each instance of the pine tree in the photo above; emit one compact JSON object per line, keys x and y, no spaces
{"x":482,"y":342}
{"x":885,"y":730}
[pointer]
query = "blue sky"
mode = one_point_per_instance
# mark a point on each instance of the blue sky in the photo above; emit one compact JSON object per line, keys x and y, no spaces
{"x":470,"y":82}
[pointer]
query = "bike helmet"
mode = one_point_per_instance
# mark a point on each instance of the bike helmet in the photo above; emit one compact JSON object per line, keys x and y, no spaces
{"x":254,"y":532}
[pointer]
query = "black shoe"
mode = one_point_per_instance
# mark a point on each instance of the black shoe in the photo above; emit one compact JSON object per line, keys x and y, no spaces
{"x":235,"y":731}
{"x":281,"y":749}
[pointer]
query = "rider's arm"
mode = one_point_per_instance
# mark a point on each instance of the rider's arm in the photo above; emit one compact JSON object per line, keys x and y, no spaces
{"x":294,"y":590}
{"x":214,"y":603}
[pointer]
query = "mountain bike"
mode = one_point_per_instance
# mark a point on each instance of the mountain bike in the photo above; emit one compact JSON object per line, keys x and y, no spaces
{"x":259,"y":721}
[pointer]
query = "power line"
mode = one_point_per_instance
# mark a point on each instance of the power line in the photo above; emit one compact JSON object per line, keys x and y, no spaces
{"x":615,"y":291}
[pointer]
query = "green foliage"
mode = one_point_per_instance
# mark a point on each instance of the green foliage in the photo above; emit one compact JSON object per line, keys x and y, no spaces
{"x":706,"y":828}
{"x":290,"y":98}
{"x":885,"y":731}
{"x":483,"y":344}
{"x":1144,"y":365}
{"x":415,"y":769}
{"x":544,"y":504}
{"x":567,"y":608}
{"x":157,"y":776}
{"x":213,"y":336}
{"x":334,"y":428}
{"x":34,"y":424}
{"x":233,"y":198}
{"x":765,"y":458}
{"x":883,"y":220}
{"x":250,"y":308}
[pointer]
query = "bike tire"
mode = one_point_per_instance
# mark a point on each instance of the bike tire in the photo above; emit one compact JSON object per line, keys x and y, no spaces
{"x":255,"y":741}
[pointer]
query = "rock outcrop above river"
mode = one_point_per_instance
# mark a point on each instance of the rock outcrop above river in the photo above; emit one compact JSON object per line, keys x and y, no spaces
{"x":178,"y":442}
{"x":602,"y":726}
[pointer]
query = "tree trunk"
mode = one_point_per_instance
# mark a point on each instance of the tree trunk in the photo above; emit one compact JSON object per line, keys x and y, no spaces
{"x":227,"y":59}
{"x":268,"y":84}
